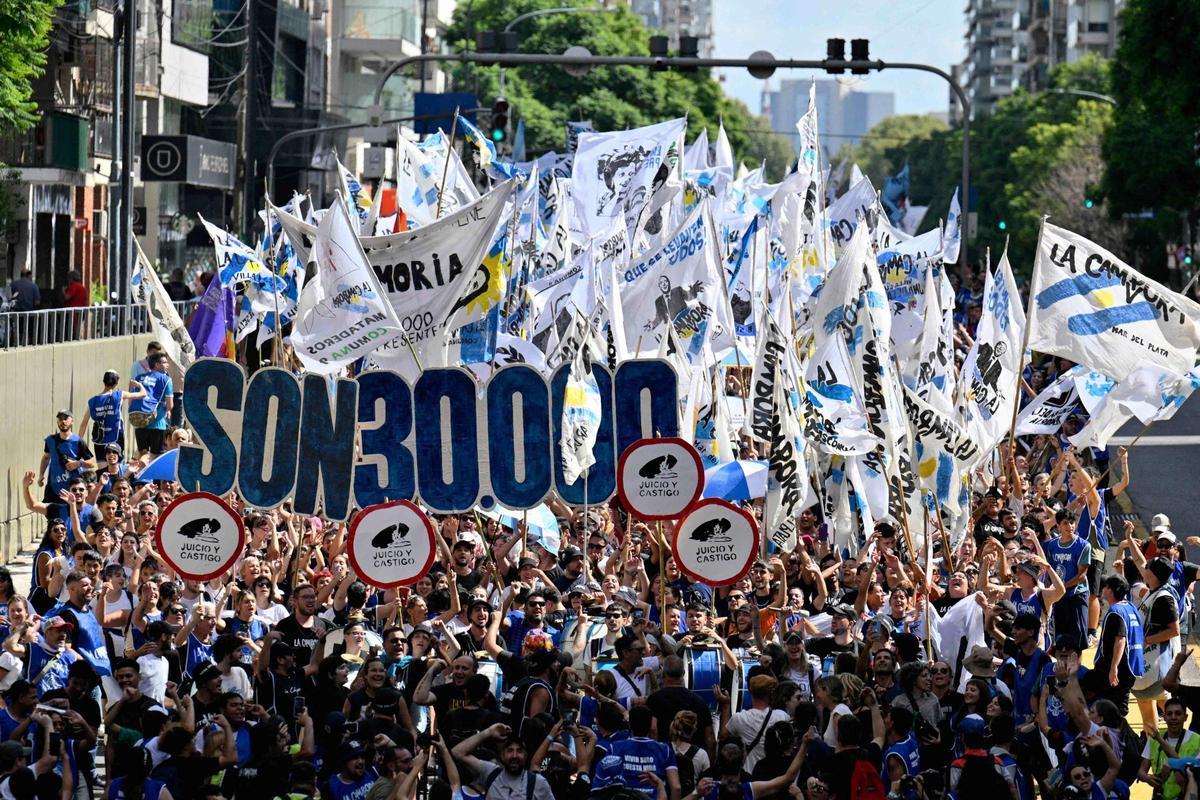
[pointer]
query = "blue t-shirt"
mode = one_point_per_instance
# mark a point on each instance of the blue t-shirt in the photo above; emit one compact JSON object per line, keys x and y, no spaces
{"x":105,"y":410}
{"x":628,"y":759}
{"x":1101,"y":523}
{"x":158,"y":387}
{"x":256,"y":629}
{"x":61,"y":451}
{"x":340,"y":790}
{"x":151,"y":790}
{"x":1068,"y":560}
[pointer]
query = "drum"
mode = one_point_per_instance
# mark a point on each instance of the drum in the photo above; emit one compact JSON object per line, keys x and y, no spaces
{"x":745,"y":664}
{"x":495,"y":677}
{"x":705,"y":667}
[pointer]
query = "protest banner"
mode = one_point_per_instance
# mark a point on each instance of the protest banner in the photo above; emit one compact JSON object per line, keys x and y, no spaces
{"x":659,"y":478}
{"x":391,"y":544}
{"x":200,"y":536}
{"x":715,"y":543}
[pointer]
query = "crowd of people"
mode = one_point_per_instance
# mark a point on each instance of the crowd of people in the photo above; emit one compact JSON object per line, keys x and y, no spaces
{"x":514,"y":670}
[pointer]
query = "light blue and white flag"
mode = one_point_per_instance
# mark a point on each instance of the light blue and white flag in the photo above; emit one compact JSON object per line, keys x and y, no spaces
{"x":580,"y":418}
{"x":1089,"y":306}
{"x":989,"y":372}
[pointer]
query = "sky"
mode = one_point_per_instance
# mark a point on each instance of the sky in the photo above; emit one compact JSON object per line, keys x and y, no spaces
{"x":925,"y":31}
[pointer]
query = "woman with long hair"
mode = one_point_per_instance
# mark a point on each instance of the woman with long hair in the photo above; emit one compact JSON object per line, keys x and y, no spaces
{"x":683,"y":732}
{"x":51,"y":551}
{"x":829,"y":694}
{"x":246,"y":625}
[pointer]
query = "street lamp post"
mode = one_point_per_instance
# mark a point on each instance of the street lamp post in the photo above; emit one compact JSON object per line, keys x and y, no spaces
{"x":761,"y":63}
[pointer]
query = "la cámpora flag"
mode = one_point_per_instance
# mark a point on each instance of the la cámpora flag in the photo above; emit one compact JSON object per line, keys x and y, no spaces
{"x":1089,"y":306}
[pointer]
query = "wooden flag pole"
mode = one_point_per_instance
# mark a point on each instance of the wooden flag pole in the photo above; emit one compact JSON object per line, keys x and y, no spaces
{"x":947,"y":556}
{"x":446,"y":165}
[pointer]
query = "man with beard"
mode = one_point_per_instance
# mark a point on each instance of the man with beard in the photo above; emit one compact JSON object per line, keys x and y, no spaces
{"x":473,"y":639}
{"x":355,"y":778}
{"x":517,"y":624}
{"x":450,"y":695}
{"x":302,"y":629}
{"x":88,"y":639}
{"x":508,"y":780}
{"x":462,"y":554}
{"x":841,"y":640}
{"x":65,"y":456}
{"x":50,"y":659}
{"x":569,"y":569}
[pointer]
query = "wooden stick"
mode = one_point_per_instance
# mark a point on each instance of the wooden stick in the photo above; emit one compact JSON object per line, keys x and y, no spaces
{"x":947,"y":557}
{"x":446,"y":165}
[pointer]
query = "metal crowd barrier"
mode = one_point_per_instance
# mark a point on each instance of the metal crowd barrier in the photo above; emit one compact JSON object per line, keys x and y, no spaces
{"x":59,"y":325}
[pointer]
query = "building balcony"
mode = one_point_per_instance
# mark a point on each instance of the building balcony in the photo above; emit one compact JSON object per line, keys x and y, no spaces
{"x":60,"y":141}
{"x":378,"y":26}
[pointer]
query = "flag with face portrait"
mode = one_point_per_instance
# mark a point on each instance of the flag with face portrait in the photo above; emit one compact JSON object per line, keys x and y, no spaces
{"x":613,"y":174}
{"x":989,"y":372}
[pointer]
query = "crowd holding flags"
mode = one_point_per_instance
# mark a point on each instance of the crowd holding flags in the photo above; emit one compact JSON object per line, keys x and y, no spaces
{"x":833,"y":324}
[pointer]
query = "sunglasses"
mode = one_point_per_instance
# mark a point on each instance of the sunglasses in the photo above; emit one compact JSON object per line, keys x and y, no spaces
{"x":536,"y":603}
{"x":176,"y":610}
{"x":939,"y":670}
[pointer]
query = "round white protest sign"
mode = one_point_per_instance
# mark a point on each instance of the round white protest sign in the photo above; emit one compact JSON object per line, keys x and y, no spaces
{"x":200,"y":536}
{"x":715,"y":543}
{"x":391,"y":544}
{"x":659,"y":478}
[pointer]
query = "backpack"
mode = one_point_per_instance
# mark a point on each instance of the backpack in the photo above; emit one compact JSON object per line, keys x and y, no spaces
{"x":687,"y":770}
{"x":530,"y":782}
{"x":865,"y":783}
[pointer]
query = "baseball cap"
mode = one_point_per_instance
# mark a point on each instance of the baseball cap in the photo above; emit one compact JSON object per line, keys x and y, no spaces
{"x":1029,"y":568}
{"x":63,"y":413}
{"x":972,"y":724}
{"x":793,"y":636}
{"x":464,"y":541}
{"x":528,"y":561}
{"x":569,"y":553}
{"x":60,"y":622}
{"x":842,"y":610}
{"x":1160,"y":522}
{"x":1166,"y":534}
{"x":351,"y":750}
{"x":479,"y":602}
{"x":10,"y":752}
{"x":205,"y":673}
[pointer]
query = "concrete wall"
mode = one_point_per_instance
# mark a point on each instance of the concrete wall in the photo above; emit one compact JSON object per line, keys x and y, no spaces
{"x":35,"y":382}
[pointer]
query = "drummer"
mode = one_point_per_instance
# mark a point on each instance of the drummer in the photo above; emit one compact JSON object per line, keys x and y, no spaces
{"x":592,"y":641}
{"x":700,"y":634}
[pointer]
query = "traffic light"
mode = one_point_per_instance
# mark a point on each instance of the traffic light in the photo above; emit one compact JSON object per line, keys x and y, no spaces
{"x":689,"y":47}
{"x":1002,"y":225}
{"x":835,"y":50}
{"x":658,"y":50}
{"x":860,"y":51}
{"x":1187,"y":257}
{"x":1089,"y":203}
{"x":499,"y":120}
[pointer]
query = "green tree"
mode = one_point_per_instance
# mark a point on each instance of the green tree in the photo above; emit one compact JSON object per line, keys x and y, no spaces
{"x":1152,"y":151}
{"x":546,"y":97}
{"x":24,"y":27}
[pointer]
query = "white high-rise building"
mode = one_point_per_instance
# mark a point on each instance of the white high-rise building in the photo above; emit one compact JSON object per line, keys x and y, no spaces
{"x":677,"y":18}
{"x":845,"y":113}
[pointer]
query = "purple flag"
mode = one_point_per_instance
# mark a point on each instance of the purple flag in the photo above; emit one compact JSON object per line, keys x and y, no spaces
{"x":212,"y":323}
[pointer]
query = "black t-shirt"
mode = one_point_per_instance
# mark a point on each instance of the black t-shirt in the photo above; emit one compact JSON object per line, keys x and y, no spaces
{"x":945,"y":603}
{"x":827,"y":646}
{"x":186,"y":775}
{"x":1163,"y":613}
{"x":277,"y":693}
{"x":302,"y":640}
{"x":669,"y":701}
{"x":449,"y":698}
{"x":842,"y":766}
{"x":1114,"y":626}
{"x":264,"y":777}
{"x":131,"y":712}
{"x":463,"y":723}
{"x":561,"y":580}
{"x":469,"y":581}
{"x":986,"y":527}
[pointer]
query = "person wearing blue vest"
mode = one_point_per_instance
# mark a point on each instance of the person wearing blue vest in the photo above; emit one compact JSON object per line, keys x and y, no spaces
{"x":1026,"y":670}
{"x":65,"y":456}
{"x":1092,"y":502}
{"x":1119,"y":656}
{"x":105,"y":409}
{"x":154,"y":408}
{"x":1070,"y":556}
{"x":902,"y":755}
{"x":89,"y":636}
{"x":1030,"y":597}
{"x":50,"y":659}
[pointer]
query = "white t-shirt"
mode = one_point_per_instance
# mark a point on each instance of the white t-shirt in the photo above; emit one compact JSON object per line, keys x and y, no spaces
{"x":153,"y":682}
{"x":13,"y":664}
{"x":272,"y":614}
{"x":746,"y":725}
{"x":237,"y":681}
{"x":508,"y":787}
{"x":626,"y":683}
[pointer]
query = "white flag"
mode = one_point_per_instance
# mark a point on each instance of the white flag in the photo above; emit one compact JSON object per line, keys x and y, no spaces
{"x":944,"y":452}
{"x":168,"y":328}
{"x":342,"y":315}
{"x":722,"y":152}
{"x":677,"y":286}
{"x":613,"y":173}
{"x":772,"y":349}
{"x":696,"y":155}
{"x":787,"y":473}
{"x":1089,"y":306}
{"x":989,"y":372}
{"x":580,"y":418}
{"x":1150,"y":393}
{"x":1049,"y":410}
{"x":952,"y":234}
{"x":835,"y":419}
